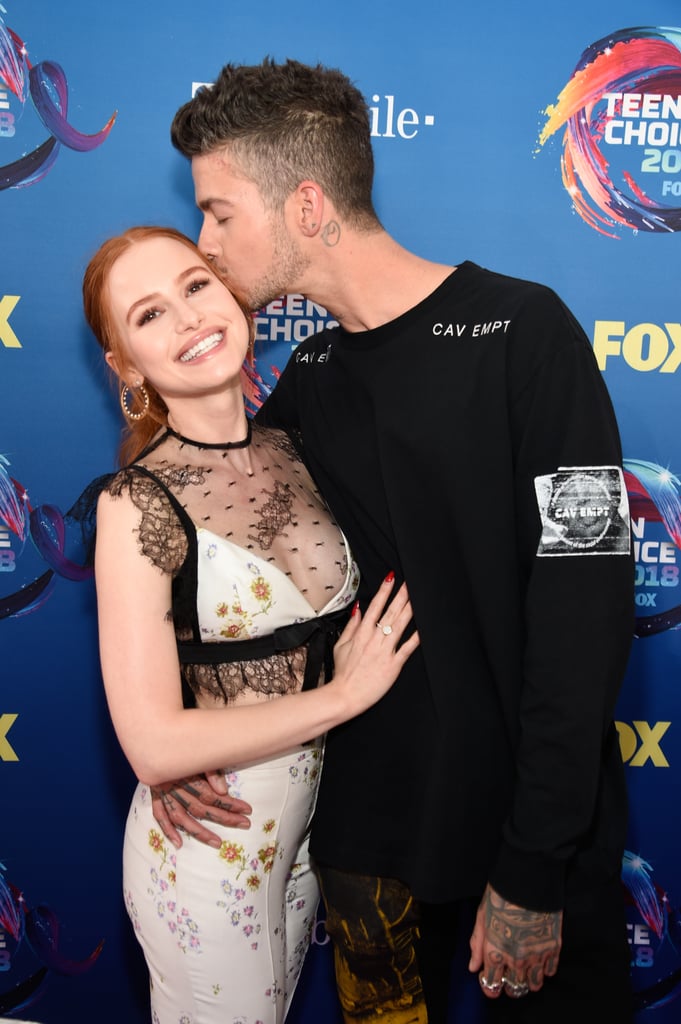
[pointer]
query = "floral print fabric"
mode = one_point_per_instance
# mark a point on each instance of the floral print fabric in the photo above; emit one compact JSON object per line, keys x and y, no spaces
{"x":225,"y":930}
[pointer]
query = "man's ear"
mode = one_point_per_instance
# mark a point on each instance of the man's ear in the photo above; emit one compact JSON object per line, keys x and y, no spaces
{"x":308,"y":207}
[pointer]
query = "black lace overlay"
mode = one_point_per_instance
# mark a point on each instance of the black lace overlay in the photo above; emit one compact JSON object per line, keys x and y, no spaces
{"x":272,"y":509}
{"x":278,"y":674}
{"x":274,"y":515}
{"x":161,"y":537}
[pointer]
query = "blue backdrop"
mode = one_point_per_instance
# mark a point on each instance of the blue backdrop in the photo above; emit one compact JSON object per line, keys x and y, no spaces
{"x":540,"y":141}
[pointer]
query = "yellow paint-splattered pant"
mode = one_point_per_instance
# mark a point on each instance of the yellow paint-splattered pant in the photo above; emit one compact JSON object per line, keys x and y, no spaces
{"x":374,"y":937}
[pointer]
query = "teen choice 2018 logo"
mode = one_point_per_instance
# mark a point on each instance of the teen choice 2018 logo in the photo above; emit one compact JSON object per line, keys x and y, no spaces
{"x":621,"y":115}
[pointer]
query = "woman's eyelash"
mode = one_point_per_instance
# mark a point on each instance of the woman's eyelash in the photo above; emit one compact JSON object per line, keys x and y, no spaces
{"x":198,"y":283}
{"x":194,"y":286}
{"x":146,"y":316}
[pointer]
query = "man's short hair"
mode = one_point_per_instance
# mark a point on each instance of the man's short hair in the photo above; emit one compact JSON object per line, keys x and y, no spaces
{"x":283,"y":124}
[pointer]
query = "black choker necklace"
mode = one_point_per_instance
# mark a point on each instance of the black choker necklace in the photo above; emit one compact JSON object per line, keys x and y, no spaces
{"x":225,"y":446}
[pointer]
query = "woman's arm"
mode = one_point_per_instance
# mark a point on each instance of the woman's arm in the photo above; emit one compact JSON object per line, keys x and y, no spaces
{"x":163,"y":740}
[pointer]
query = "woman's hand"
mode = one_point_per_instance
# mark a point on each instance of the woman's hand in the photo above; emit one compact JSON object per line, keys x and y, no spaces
{"x":367,"y":657}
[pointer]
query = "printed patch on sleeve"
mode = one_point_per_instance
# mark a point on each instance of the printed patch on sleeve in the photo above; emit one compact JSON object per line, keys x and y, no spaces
{"x":584,"y":511}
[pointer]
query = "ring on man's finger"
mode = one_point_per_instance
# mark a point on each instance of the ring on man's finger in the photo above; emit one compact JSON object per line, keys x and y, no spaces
{"x":490,"y":986}
{"x":386,"y":630}
{"x":515,"y":989}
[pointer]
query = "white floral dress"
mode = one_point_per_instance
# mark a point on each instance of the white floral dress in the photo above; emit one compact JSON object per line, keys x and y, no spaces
{"x":225,"y":931}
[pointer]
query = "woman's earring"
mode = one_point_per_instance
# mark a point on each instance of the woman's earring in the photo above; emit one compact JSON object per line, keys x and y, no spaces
{"x":128,"y":399}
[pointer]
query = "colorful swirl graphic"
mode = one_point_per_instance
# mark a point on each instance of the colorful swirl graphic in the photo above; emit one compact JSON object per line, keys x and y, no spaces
{"x":655,"y":494}
{"x":255,"y":388}
{"x":46,"y":527}
{"x":46,"y":83}
{"x":630,"y":61}
{"x":13,"y":502}
{"x":653,"y":906}
{"x":38,"y":929}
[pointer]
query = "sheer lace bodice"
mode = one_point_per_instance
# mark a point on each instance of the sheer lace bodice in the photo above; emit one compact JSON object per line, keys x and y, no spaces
{"x":250,"y":551}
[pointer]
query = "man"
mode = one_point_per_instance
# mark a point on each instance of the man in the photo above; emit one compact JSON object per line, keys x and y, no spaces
{"x":491,"y":771}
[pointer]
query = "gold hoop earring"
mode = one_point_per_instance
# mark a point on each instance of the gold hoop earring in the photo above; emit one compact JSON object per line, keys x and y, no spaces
{"x":127,"y":394}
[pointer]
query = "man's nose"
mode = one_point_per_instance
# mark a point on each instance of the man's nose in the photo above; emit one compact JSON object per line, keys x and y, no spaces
{"x":207,"y":243}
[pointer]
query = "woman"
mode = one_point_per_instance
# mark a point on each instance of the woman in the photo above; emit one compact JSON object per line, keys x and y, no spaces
{"x":220,"y":575}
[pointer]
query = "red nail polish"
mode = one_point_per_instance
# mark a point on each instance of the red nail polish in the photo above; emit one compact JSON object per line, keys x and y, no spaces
{"x":390,"y":577}
{"x":355,"y":608}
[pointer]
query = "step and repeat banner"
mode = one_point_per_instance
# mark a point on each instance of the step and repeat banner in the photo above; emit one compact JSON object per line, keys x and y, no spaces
{"x":537,"y":140}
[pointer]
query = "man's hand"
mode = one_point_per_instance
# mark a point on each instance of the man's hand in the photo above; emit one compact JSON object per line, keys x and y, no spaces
{"x":513,"y":949}
{"x":180,"y":805}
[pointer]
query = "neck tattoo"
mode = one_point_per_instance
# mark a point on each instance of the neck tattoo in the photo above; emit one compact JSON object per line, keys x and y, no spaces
{"x":331,"y":233}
